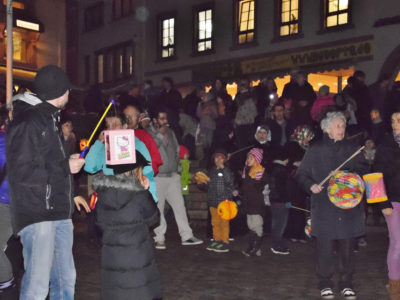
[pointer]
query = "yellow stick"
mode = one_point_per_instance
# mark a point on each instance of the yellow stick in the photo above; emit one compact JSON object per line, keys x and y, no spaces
{"x":83,"y":153}
{"x":98,"y":124}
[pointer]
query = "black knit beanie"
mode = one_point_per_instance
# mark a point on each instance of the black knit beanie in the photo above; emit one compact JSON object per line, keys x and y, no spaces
{"x":51,"y":82}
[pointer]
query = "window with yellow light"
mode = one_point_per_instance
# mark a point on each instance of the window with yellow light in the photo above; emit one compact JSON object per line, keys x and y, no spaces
{"x":289,"y":17}
{"x":337,"y":13}
{"x":246,"y":21}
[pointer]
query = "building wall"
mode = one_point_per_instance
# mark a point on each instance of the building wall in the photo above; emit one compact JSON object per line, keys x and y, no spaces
{"x":365,"y":13}
{"x":111,"y":33}
{"x":47,"y":47}
{"x":145,"y":34}
{"x":51,"y":47}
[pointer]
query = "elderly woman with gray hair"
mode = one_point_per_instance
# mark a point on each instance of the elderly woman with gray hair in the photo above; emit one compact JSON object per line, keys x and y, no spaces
{"x":330,"y":223}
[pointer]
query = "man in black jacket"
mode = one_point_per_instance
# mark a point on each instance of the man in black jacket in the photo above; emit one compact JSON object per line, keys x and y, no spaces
{"x":331,"y":224}
{"x":41,"y":189}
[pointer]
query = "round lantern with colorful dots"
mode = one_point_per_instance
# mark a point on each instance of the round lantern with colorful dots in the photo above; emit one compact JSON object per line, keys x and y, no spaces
{"x":346,"y":189}
{"x":227,"y":210}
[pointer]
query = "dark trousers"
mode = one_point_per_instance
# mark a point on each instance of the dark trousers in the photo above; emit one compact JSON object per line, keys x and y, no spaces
{"x":279,"y":216}
{"x":326,"y":262}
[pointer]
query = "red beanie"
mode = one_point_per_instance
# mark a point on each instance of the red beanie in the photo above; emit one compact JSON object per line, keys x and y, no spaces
{"x":182,"y":151}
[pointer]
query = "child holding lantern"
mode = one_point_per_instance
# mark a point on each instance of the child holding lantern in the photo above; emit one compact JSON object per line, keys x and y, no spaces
{"x":220,"y":188}
{"x":253,"y":182}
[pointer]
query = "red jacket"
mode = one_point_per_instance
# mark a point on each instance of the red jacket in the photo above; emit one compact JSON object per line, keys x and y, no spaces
{"x":151,"y":145}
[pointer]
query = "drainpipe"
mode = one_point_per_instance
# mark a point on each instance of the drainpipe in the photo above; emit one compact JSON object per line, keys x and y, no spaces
{"x":9,"y":76}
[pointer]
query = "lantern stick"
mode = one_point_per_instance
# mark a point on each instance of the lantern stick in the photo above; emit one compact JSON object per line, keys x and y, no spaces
{"x":337,"y":169}
{"x":299,"y":208}
{"x":83,"y":153}
{"x":240,"y":150}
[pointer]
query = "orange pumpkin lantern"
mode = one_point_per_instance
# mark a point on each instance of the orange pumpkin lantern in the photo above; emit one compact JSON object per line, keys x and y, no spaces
{"x":83,"y":143}
{"x":227,"y":210}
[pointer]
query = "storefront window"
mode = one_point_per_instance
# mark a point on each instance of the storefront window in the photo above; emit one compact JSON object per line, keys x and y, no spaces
{"x":231,"y":89}
{"x":280,"y":83}
{"x":17,"y":46}
{"x":246,"y":21}
{"x":337,"y":13}
{"x":289,"y":16}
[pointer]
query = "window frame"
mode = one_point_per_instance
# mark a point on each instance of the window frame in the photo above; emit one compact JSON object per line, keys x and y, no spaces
{"x":160,"y":19}
{"x":236,"y":26}
{"x":196,"y":10}
{"x":88,"y":10}
{"x":324,"y":15}
{"x":87,"y":65}
{"x":278,"y":23}
{"x":130,"y":11}
{"x":112,"y":51}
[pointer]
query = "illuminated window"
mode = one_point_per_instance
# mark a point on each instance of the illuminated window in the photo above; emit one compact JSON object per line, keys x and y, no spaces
{"x":19,"y":47}
{"x":289,"y":17}
{"x":94,"y":16}
{"x":337,"y":13}
{"x":115,"y":63}
{"x":246,"y":21}
{"x":204,"y":30}
{"x":167,"y":37}
{"x":122,"y":8}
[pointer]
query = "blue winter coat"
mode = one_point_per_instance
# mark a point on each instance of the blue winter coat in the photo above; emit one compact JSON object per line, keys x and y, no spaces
{"x":95,"y":161}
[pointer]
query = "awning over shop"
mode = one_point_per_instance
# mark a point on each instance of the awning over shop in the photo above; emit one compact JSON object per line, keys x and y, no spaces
{"x":316,"y":58}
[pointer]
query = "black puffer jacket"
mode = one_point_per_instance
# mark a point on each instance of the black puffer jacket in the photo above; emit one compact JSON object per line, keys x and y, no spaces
{"x":252,"y":192}
{"x":38,"y":172}
{"x":329,"y":221}
{"x":387,"y":161}
{"x":128,"y":266}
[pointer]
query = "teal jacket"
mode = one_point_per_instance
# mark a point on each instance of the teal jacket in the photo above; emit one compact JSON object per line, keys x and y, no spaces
{"x":95,"y":161}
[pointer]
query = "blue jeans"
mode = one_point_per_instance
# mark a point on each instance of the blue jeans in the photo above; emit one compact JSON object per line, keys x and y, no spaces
{"x":47,"y":251}
{"x":279,"y":216}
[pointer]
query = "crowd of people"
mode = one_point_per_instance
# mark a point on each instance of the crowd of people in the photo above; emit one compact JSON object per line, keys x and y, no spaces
{"x":267,"y":153}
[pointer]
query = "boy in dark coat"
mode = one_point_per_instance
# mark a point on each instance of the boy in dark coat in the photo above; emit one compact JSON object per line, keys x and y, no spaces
{"x":279,"y":175}
{"x":220,"y":188}
{"x":253,"y":183}
{"x":125,"y":211}
{"x":330,"y":223}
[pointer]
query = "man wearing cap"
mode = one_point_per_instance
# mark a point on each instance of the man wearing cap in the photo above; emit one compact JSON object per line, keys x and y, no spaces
{"x":41,"y":190}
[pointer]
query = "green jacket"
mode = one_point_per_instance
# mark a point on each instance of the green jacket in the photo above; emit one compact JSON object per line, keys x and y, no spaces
{"x":185,"y":176}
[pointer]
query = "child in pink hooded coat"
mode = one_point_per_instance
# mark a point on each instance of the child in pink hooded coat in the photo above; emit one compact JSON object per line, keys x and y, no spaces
{"x":323,"y":100}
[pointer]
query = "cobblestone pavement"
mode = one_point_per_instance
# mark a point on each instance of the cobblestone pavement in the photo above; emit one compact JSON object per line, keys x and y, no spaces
{"x":191,"y":272}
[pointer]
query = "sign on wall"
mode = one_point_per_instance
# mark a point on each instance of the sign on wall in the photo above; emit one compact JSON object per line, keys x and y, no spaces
{"x":323,"y":55}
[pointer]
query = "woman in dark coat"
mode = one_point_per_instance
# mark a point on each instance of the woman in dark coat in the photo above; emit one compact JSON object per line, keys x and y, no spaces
{"x":330,"y":223}
{"x":296,"y":148}
{"x":387,"y":161}
{"x":125,"y":211}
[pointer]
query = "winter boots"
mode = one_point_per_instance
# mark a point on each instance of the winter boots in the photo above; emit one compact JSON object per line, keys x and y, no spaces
{"x":394,"y":289}
{"x":254,"y":248}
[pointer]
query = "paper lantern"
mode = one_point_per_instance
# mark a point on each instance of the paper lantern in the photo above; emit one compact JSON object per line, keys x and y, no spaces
{"x":346,"y":189}
{"x":83,"y":143}
{"x":227,"y":210}
{"x":120,"y":146}
{"x":375,"y":188}
{"x":307,"y":228}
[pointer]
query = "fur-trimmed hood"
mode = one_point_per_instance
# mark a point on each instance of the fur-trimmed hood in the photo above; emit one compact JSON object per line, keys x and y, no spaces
{"x":121,"y":181}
